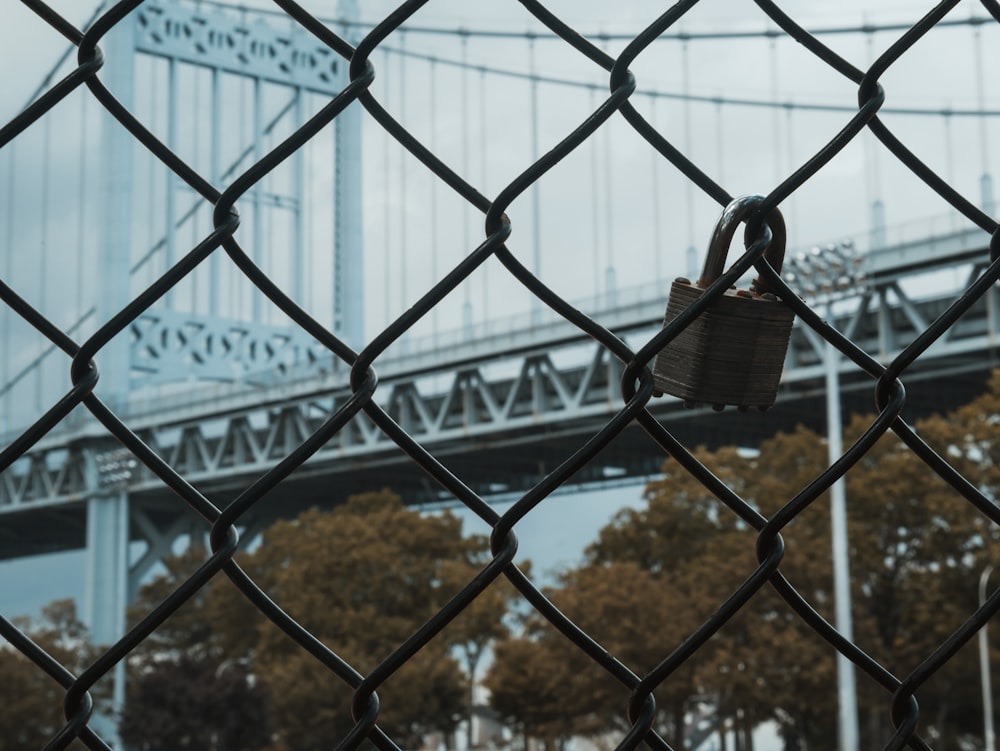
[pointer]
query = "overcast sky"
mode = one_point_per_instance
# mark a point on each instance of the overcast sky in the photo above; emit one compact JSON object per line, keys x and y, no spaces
{"x":614,"y":202}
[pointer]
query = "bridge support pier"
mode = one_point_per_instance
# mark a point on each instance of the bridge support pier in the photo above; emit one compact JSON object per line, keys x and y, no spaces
{"x":160,"y":545}
{"x":106,"y":589}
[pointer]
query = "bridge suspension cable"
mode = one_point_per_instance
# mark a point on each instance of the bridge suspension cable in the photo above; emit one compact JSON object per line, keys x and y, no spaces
{"x":690,"y":97}
{"x":975,"y":22}
{"x":604,"y":36}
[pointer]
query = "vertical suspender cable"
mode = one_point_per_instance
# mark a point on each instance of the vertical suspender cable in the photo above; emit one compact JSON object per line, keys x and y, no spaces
{"x":772,"y":56}
{"x":309,"y":197}
{"x":595,"y":207}
{"x":171,"y":184}
{"x":81,"y":224}
{"x":874,"y":181}
{"x":657,"y":206}
{"x":215,"y":305}
{"x":985,"y":180}
{"x":610,"y":280}
{"x":949,"y":160}
{"x":403,"y":154}
{"x":692,"y":254}
{"x":793,"y":238}
{"x":387,"y":276}
{"x":348,"y":225}
{"x":300,"y":263}
{"x":720,"y":142}
{"x":236,"y":309}
{"x":8,"y":270}
{"x":195,"y":304}
{"x":152,"y":203}
{"x":536,"y":233}
{"x":43,"y":253}
{"x":257,"y":196}
{"x":466,"y":230}
{"x":986,"y":201}
{"x":433,"y":190}
{"x":779,"y":152}
{"x":484,"y":142}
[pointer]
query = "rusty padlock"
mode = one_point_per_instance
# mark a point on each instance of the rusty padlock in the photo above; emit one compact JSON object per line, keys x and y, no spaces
{"x":733,"y":353}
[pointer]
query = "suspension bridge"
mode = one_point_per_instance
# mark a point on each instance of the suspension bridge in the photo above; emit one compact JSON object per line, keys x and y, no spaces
{"x":219,"y":384}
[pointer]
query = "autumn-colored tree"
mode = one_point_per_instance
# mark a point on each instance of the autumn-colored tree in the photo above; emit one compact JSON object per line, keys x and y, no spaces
{"x":361,"y":578}
{"x":480,"y":624}
{"x":534,"y":686}
{"x":916,"y":551}
{"x":32,"y":701}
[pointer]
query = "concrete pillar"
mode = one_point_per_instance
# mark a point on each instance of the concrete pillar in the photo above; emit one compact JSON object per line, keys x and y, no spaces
{"x":106,"y":582}
{"x":106,"y":589}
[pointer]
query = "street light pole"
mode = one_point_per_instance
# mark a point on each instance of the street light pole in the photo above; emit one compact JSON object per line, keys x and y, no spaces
{"x":984,"y":668}
{"x":833,"y":272}
{"x":847,"y":703}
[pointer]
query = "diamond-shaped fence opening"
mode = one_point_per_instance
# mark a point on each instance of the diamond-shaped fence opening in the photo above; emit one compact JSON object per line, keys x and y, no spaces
{"x":718,"y":608}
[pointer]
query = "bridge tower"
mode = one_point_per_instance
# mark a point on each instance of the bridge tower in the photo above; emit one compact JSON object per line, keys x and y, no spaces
{"x":224,"y":42}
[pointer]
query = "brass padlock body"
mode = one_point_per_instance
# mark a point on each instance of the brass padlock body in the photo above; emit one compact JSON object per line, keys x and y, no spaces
{"x":733,"y":353}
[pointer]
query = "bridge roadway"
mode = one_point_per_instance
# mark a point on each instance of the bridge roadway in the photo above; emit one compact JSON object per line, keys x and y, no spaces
{"x":500,"y":407}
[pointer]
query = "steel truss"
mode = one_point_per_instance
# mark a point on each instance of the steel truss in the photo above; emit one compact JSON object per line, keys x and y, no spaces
{"x":536,"y":380}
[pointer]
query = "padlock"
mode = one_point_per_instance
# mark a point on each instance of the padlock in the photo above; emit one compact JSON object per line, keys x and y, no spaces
{"x":734,"y":351}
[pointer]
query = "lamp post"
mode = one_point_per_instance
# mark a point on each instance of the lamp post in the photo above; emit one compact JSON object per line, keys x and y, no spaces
{"x":827,"y":274}
{"x":984,"y":668}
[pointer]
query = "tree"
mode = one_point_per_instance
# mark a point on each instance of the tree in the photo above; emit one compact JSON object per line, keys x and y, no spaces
{"x":32,"y":701}
{"x":479,"y":625}
{"x":361,"y":578}
{"x":189,"y":702}
{"x":533,"y":688}
{"x":550,"y":690}
{"x":916,"y":551}
{"x":188,"y":684}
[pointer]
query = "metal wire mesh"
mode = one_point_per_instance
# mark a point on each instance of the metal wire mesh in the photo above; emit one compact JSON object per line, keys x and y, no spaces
{"x":637,"y":384}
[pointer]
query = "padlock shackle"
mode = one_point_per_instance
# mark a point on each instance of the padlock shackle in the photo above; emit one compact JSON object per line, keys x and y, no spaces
{"x":740,"y":210}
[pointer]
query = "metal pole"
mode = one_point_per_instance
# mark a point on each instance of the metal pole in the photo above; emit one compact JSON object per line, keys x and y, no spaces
{"x":846,"y":688}
{"x":984,"y":669}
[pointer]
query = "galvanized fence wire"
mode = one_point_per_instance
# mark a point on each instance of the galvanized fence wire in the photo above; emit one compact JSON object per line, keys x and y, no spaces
{"x":637,"y":386}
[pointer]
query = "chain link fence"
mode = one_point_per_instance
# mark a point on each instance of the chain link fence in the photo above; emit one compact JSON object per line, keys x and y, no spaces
{"x":638,"y":704}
